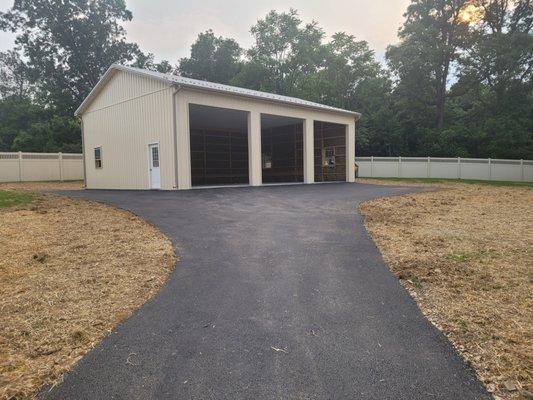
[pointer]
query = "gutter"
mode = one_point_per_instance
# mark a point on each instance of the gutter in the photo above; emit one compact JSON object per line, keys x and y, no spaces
{"x":83,"y":151}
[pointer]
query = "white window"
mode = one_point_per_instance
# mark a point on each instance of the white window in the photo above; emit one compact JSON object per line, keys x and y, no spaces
{"x":98,"y":157}
{"x":155,"y":157}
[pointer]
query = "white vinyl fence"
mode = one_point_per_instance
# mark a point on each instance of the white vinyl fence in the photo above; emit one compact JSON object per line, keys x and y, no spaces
{"x":26,"y":167}
{"x":445,"y":168}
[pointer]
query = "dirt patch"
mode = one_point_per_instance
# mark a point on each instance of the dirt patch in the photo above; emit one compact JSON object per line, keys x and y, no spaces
{"x":40,"y":186}
{"x":70,"y":271}
{"x":464,"y":253}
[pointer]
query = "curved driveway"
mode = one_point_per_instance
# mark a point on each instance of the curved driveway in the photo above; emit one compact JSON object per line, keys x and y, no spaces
{"x":279,"y":294}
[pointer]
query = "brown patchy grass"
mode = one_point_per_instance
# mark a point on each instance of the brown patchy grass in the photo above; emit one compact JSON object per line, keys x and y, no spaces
{"x":70,"y":271}
{"x":464,"y":254}
{"x":39,"y":186}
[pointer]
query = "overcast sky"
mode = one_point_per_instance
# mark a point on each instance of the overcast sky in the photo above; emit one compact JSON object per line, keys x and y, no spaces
{"x":168,"y":27}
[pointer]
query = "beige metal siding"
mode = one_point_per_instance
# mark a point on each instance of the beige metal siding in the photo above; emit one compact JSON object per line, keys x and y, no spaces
{"x":130,"y":113}
{"x":124,"y":86}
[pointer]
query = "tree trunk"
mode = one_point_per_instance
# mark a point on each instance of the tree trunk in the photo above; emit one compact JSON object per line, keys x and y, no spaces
{"x":440,"y":102}
{"x":442,"y":80}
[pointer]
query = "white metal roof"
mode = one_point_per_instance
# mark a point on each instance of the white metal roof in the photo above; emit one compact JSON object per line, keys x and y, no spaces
{"x":209,"y":86}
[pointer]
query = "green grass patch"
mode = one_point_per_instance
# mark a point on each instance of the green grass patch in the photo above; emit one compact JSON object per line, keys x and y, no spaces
{"x":480,"y":255}
{"x":415,"y":282}
{"x":10,"y":199}
{"x":467,"y":181}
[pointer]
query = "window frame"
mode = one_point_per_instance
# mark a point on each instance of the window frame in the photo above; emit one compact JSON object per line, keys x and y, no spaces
{"x":152,"y":159}
{"x":98,"y":162}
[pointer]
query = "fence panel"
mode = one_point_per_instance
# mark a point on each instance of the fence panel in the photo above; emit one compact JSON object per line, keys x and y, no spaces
{"x":445,"y":168}
{"x":527,"y":171}
{"x":27,"y":167}
{"x":386,"y":167}
{"x":415,"y":167}
{"x":72,"y":167}
{"x":506,"y":170}
{"x":9,"y":167}
{"x":474,"y":168}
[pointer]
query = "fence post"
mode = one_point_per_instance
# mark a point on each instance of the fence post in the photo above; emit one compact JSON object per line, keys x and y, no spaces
{"x":60,"y":166}
{"x":399,"y":166}
{"x":429,"y":167}
{"x":490,"y":170}
{"x":20,"y":166}
{"x":522,"y":170}
{"x":458,"y":167}
{"x":371,"y":166}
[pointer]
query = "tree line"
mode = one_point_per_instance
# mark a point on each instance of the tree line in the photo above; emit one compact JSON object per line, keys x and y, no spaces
{"x":458,"y":83}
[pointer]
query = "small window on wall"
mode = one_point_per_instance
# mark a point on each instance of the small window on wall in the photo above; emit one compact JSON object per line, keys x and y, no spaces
{"x":98,"y":157}
{"x":328,"y":159}
{"x":155,"y":157}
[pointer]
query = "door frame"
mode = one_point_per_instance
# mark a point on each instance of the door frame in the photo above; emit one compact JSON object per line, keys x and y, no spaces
{"x":150,"y":145}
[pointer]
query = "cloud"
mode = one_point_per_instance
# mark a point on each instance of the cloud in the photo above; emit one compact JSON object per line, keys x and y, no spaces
{"x":167,"y":28}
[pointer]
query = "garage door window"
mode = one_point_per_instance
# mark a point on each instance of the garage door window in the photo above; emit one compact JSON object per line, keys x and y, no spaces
{"x":329,"y":157}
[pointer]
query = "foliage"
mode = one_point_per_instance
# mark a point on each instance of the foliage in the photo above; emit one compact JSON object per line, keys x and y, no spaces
{"x":457,"y":84}
{"x":214,"y":59}
{"x":62,"y":50}
{"x":14,"y":75}
{"x":473,"y":75}
{"x":28,"y":127}
{"x":283,"y":53}
{"x":69,"y":44}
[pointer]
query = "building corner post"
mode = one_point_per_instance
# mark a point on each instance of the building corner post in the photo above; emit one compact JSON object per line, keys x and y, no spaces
{"x":183,"y":144}
{"x":254,"y":149}
{"x":309,"y":151}
{"x":83,"y":153}
{"x":350,"y":152}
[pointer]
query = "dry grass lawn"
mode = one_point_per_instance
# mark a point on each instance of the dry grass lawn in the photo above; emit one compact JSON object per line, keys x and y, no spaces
{"x":70,"y":271}
{"x":38,"y":186}
{"x":464,"y":253}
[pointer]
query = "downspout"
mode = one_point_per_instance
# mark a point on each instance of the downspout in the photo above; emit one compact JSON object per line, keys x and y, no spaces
{"x":356,"y":167}
{"x":83,"y":152}
{"x":176,"y":88}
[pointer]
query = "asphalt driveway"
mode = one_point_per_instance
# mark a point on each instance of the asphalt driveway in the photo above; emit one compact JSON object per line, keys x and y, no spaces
{"x":279,"y":294}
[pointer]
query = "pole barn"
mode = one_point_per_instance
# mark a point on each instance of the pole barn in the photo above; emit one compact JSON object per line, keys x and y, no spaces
{"x":147,"y":130}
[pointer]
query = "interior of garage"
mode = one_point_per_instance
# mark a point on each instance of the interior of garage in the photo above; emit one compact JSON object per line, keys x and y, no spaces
{"x":219,"y":146}
{"x":330,"y":151}
{"x":282,"y":149}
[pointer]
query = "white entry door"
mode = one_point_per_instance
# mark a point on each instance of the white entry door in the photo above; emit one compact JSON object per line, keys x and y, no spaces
{"x":155,"y":176}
